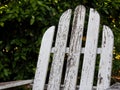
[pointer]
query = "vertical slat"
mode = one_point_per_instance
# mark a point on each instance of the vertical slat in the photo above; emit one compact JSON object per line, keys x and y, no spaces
{"x":90,"y":51}
{"x":105,"y":67}
{"x":60,"y":45}
{"x":75,"y":48}
{"x":43,"y":59}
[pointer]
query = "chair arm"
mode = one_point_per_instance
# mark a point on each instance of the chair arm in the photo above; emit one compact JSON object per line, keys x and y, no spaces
{"x":10,"y":84}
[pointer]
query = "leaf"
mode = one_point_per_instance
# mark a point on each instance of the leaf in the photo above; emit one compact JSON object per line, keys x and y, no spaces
{"x":23,"y":41}
{"x":23,"y":57}
{"x":1,"y":42}
{"x":32,"y":20}
{"x":16,"y":58}
{"x":6,"y":72}
{"x":40,"y":3}
{"x":1,"y":24}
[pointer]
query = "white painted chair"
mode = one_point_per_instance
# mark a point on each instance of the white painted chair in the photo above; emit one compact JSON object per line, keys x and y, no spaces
{"x":74,"y":52}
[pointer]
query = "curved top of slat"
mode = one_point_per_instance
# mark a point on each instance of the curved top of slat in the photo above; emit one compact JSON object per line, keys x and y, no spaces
{"x":107,"y":29}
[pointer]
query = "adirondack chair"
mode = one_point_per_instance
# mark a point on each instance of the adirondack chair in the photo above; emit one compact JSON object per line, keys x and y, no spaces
{"x":73,"y":52}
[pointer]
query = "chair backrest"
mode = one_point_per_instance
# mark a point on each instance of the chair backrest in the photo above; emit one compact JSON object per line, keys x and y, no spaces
{"x":74,"y":52}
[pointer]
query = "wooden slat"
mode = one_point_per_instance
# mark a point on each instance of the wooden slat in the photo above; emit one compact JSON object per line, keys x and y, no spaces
{"x":58,"y":58}
{"x":105,"y":67}
{"x":75,"y":48}
{"x":10,"y":84}
{"x":43,"y":59}
{"x":87,"y":75}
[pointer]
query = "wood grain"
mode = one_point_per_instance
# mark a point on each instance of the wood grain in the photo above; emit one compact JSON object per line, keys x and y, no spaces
{"x":88,"y":68}
{"x":75,"y":48}
{"x":58,"y":58}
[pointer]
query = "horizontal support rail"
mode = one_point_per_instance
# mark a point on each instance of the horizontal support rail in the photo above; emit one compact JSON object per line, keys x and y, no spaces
{"x":61,"y":87}
{"x":99,"y":50}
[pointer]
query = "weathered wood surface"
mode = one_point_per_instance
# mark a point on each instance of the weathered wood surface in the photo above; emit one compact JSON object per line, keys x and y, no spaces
{"x":104,"y":75}
{"x":43,"y":59}
{"x":67,"y":50}
{"x":11,"y":84}
{"x":87,"y":75}
{"x":60,"y":45}
{"x":62,"y":87}
{"x":115,"y":86}
{"x":75,"y":48}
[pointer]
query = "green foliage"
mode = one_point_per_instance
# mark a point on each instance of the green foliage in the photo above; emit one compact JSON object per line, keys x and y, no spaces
{"x":23,"y":22}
